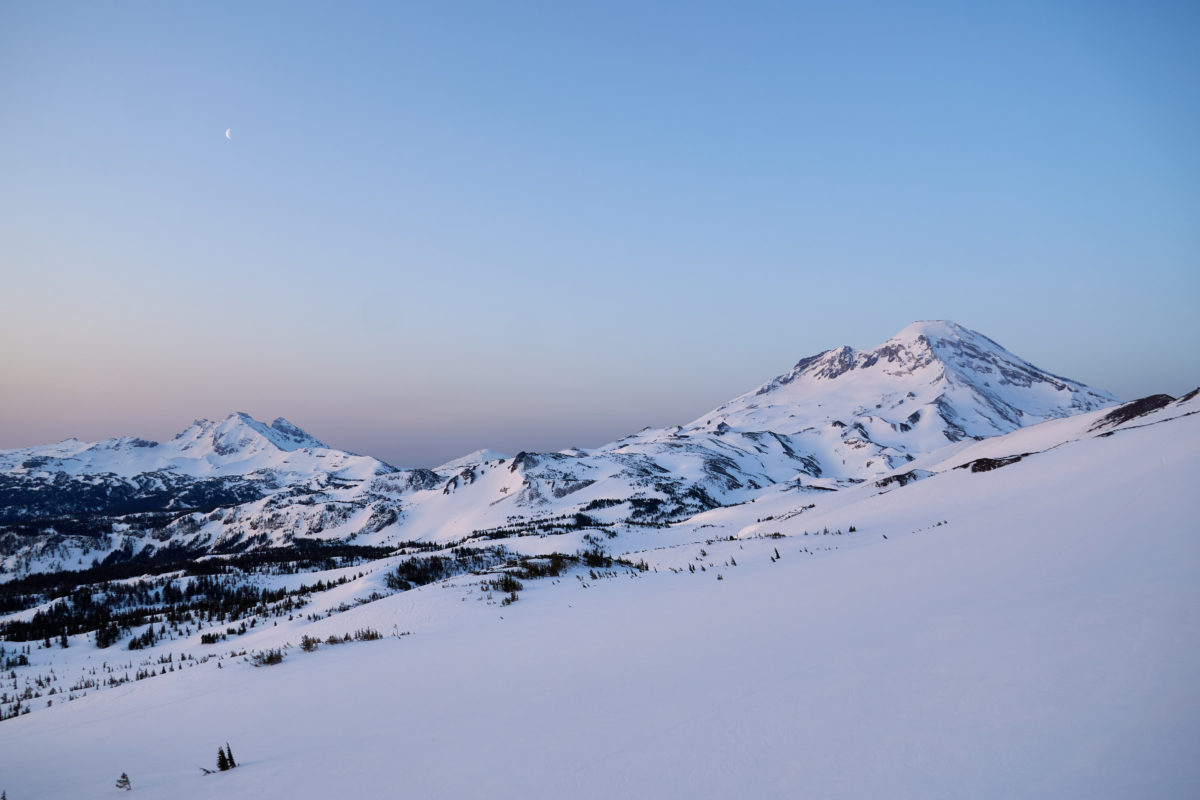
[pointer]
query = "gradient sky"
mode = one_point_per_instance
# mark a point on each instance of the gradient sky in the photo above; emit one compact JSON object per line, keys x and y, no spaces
{"x":449,"y":225}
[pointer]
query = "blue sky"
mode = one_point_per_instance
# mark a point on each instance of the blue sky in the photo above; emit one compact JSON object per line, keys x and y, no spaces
{"x":444,"y":226}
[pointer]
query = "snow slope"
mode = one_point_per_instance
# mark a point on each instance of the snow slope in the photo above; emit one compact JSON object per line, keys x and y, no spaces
{"x":1031,"y":630}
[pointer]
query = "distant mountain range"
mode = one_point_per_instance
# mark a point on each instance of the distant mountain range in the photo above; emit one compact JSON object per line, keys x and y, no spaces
{"x":835,"y":420}
{"x":931,"y":530}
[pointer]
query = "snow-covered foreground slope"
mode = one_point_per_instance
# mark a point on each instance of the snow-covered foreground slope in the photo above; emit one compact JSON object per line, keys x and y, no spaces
{"x":1028,"y":631}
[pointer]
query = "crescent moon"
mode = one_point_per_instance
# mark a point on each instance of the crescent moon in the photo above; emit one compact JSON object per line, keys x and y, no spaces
{"x":227,"y":136}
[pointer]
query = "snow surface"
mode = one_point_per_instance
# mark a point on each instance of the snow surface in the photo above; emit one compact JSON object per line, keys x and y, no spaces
{"x":1031,"y":631}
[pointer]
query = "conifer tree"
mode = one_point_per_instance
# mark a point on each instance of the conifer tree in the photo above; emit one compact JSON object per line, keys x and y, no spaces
{"x":229,"y":755}
{"x":222,"y":760}
{"x":123,"y":782}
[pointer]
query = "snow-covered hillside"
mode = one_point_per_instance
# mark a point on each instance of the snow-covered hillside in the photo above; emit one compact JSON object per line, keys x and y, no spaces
{"x":834,"y":420}
{"x":1010,"y":617}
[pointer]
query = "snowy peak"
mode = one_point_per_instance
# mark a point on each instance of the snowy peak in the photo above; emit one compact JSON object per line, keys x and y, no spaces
{"x":971,"y":356}
{"x":940,"y":350}
{"x":470,"y":460}
{"x":242,"y":434}
{"x":1001,"y":383}
{"x":922,"y":344}
{"x":933,"y":381}
{"x":238,"y":444}
{"x":905,"y":353}
{"x":932,"y":330}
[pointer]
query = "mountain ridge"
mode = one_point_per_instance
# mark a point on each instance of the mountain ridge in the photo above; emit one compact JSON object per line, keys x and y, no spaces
{"x":835,"y":420}
{"x":934,"y":367}
{"x":236,"y":445}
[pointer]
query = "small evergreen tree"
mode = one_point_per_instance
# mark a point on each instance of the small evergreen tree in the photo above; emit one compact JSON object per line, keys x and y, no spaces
{"x":229,"y":755}
{"x":123,"y":782}
{"x":222,"y":760}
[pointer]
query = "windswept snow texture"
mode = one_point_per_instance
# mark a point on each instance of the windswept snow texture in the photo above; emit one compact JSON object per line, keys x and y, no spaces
{"x":1030,"y":631}
{"x":836,"y":419}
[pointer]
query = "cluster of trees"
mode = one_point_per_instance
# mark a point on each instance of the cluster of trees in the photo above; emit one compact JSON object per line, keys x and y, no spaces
{"x":114,"y":608}
{"x":225,"y":758}
{"x":419,"y":571}
{"x":20,"y":659}
{"x":303,"y":555}
{"x":225,"y":762}
{"x":546,"y":526}
{"x":429,"y":569}
{"x":550,"y":566}
{"x":310,"y":643}
{"x":102,"y":598}
{"x":267,"y":658}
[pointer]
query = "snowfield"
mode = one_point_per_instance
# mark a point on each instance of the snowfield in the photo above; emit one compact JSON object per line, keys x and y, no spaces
{"x":1028,"y":631}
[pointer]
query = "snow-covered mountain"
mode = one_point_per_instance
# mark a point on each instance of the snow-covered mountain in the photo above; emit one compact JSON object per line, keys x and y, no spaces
{"x":1007,"y":616}
{"x":834,"y":420}
{"x":933,"y":382}
{"x":237,"y":445}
